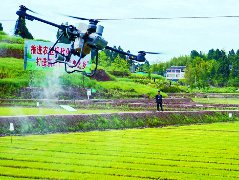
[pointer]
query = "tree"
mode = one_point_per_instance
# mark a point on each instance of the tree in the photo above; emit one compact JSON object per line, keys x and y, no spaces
{"x":1,"y":28}
{"x":119,"y":67}
{"x":194,"y":54}
{"x":181,"y":61}
{"x":146,"y":66}
{"x":198,"y":73}
{"x":211,"y":54}
{"x":121,"y":55}
{"x":213,"y":76}
{"x":215,"y":54}
{"x":231,"y":53}
{"x":219,"y":54}
{"x":223,"y":70}
{"x":104,"y":60}
{"x":21,"y":29}
{"x":234,"y":68}
{"x":158,"y":68}
{"x":108,"y":54}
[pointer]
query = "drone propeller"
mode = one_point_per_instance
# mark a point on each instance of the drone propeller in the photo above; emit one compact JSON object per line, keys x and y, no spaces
{"x":112,"y":19}
{"x":141,"y":56}
{"x":87,"y":19}
{"x":146,"y":52}
{"x":27,"y":9}
{"x":153,"y":18}
{"x":80,"y":18}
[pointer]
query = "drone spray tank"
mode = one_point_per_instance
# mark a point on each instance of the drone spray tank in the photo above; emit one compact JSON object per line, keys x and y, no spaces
{"x":99,"y":30}
{"x":95,"y":38}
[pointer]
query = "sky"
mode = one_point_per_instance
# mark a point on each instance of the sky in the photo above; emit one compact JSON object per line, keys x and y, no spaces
{"x":173,"y":38}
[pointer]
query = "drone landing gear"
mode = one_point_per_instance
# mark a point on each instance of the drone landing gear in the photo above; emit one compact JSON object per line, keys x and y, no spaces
{"x":80,"y":52}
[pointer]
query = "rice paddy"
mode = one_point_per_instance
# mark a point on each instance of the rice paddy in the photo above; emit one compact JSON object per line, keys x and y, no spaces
{"x":186,"y":152}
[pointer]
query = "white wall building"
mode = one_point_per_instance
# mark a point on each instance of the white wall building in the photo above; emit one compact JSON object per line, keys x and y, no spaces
{"x":174,"y":73}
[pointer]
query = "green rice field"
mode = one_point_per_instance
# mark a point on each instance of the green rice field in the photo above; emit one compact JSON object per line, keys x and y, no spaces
{"x":20,"y":111}
{"x":187,"y":152}
{"x":217,"y":100}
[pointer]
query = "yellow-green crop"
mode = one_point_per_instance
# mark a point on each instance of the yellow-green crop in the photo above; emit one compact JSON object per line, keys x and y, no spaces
{"x":187,"y":152}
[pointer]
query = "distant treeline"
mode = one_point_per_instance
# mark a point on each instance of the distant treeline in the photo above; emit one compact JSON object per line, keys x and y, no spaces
{"x":216,"y":68}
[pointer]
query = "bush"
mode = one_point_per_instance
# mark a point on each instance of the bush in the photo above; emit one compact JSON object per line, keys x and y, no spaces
{"x":171,"y":89}
{"x":146,"y":79}
{"x":216,"y":90}
{"x":130,"y":89}
{"x":119,"y":73}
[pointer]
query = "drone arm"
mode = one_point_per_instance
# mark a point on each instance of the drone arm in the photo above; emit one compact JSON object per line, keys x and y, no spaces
{"x":22,"y":13}
{"x":131,"y":56}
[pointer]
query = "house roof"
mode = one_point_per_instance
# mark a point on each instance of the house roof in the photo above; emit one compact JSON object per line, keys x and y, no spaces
{"x":177,"y":67}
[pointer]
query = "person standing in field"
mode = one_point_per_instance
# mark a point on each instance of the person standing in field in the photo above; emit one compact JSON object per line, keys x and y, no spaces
{"x":159,"y":101}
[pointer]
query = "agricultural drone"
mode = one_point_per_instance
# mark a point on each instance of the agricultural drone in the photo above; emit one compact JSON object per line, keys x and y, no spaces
{"x":90,"y":41}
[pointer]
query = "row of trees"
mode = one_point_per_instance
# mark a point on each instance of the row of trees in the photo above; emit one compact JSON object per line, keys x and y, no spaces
{"x":216,"y":68}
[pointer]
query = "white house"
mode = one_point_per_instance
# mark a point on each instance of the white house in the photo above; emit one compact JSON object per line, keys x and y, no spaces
{"x":174,"y":73}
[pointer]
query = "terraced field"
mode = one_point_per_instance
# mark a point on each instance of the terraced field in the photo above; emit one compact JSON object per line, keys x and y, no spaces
{"x":186,"y":152}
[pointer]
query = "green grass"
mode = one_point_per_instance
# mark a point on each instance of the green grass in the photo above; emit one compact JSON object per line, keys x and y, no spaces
{"x":13,"y":77}
{"x":11,"y":39}
{"x":4,"y":45}
{"x":132,"y":87}
{"x":3,"y":33}
{"x":19,"y":111}
{"x":12,"y":68}
{"x":217,"y":100}
{"x":187,"y":152}
{"x":216,"y":90}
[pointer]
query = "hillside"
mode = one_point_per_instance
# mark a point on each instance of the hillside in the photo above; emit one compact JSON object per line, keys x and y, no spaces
{"x":19,"y":83}
{"x":11,"y":46}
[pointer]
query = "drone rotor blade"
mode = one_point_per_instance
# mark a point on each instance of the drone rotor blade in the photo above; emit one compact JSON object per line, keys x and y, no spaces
{"x":148,"y":18}
{"x":228,"y":16}
{"x":80,"y":18}
{"x":96,"y":19}
{"x":153,"y":52}
{"x":109,"y":19}
{"x":186,"y":17}
{"x":32,"y":11}
{"x":27,"y":9}
{"x":155,"y":18}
